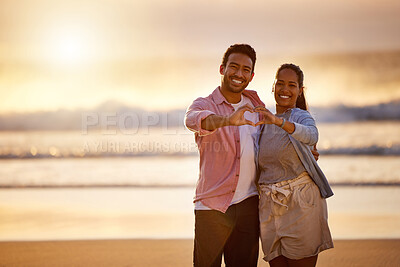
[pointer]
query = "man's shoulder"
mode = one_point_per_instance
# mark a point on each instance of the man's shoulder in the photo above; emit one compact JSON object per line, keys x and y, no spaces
{"x":253,"y":96}
{"x":204,"y":99}
{"x":207,"y":99}
{"x":251,"y":92}
{"x":202,"y":103}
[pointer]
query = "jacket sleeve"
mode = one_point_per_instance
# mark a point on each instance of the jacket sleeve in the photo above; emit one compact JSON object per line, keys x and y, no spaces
{"x":195,"y":114}
{"x":305,"y":129}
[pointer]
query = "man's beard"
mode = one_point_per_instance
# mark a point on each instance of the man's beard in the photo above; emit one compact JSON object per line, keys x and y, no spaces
{"x":232,"y":89}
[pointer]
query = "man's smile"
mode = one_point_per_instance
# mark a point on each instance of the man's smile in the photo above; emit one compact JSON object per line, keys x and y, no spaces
{"x":236,"y":81}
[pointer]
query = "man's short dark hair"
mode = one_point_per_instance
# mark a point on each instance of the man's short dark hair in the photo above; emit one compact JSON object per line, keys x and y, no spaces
{"x":241,"y":49}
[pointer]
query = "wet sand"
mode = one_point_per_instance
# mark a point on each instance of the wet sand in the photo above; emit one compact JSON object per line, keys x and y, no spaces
{"x":174,"y":253}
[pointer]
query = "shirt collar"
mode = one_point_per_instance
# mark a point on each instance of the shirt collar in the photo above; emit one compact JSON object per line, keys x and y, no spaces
{"x":218,"y":97}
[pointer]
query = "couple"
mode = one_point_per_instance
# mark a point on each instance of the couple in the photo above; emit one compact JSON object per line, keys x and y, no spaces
{"x":258,"y":176}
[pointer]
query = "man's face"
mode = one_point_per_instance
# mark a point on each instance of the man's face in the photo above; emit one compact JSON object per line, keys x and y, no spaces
{"x":237,"y":73}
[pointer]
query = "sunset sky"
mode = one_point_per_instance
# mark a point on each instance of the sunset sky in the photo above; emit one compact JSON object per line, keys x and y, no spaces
{"x":162,"y":54}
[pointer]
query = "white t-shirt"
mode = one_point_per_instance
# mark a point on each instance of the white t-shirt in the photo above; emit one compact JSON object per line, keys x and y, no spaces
{"x":246,"y":186}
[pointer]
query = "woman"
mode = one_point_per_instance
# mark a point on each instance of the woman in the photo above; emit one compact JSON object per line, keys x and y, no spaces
{"x":293,"y":211}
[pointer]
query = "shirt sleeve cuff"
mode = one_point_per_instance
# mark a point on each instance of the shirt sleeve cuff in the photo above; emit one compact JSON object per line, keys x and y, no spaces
{"x":202,"y":115}
{"x":298,"y":130}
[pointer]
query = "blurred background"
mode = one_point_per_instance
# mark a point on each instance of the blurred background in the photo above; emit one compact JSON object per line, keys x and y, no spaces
{"x":93,"y":95}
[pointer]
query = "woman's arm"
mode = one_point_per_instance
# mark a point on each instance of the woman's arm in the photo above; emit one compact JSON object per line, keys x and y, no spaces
{"x":270,"y":118}
{"x":303,"y":129}
{"x":306,"y":131}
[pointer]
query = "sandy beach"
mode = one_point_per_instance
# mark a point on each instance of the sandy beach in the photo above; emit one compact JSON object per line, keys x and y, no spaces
{"x":148,"y":253}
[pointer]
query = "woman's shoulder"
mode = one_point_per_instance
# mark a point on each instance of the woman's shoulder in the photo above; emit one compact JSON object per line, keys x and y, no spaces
{"x":298,"y":113}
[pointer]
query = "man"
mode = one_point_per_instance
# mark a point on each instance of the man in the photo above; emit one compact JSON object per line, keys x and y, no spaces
{"x":226,"y":199}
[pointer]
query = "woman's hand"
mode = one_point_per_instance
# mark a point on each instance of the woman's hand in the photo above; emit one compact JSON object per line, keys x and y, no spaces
{"x":267,"y":116}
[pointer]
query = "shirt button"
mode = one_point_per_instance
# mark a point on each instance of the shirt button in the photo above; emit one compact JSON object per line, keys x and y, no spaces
{"x":238,"y":141}
{"x":238,"y":157}
{"x":237,"y":174}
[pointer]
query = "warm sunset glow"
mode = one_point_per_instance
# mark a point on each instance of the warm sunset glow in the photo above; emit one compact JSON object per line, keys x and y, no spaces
{"x":70,"y":45}
{"x":163,"y":54}
{"x":71,"y":49}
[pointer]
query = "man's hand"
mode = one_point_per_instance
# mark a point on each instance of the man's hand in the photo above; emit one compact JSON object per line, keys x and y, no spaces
{"x":314,"y":151}
{"x":237,"y":117}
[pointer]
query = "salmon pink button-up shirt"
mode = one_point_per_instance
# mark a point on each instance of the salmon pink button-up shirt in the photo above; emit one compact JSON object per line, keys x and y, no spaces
{"x":219,"y":150}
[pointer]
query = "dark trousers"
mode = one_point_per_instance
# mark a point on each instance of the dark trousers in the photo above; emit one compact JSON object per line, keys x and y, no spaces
{"x":235,"y":234}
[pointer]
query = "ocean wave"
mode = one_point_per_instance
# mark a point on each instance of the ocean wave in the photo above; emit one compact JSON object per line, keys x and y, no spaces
{"x":125,"y":117}
{"x":373,"y":150}
{"x":380,"y":112}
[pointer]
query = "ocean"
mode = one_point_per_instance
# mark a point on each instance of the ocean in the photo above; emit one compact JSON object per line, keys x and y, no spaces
{"x":59,"y":185}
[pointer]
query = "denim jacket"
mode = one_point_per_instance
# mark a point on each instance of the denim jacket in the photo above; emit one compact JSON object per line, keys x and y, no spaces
{"x":303,"y":138}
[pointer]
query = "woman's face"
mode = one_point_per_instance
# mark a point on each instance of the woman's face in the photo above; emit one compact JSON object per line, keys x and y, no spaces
{"x":286,"y":90}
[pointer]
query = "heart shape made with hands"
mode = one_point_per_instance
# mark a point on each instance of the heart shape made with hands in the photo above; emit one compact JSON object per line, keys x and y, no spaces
{"x":264,"y":113}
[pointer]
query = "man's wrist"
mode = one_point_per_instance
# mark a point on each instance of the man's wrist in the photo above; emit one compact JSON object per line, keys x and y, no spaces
{"x":226,"y":120}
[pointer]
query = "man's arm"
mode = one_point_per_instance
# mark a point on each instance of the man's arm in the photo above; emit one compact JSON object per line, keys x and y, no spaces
{"x":315,"y":152}
{"x":237,"y":118}
{"x":195,"y":113}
